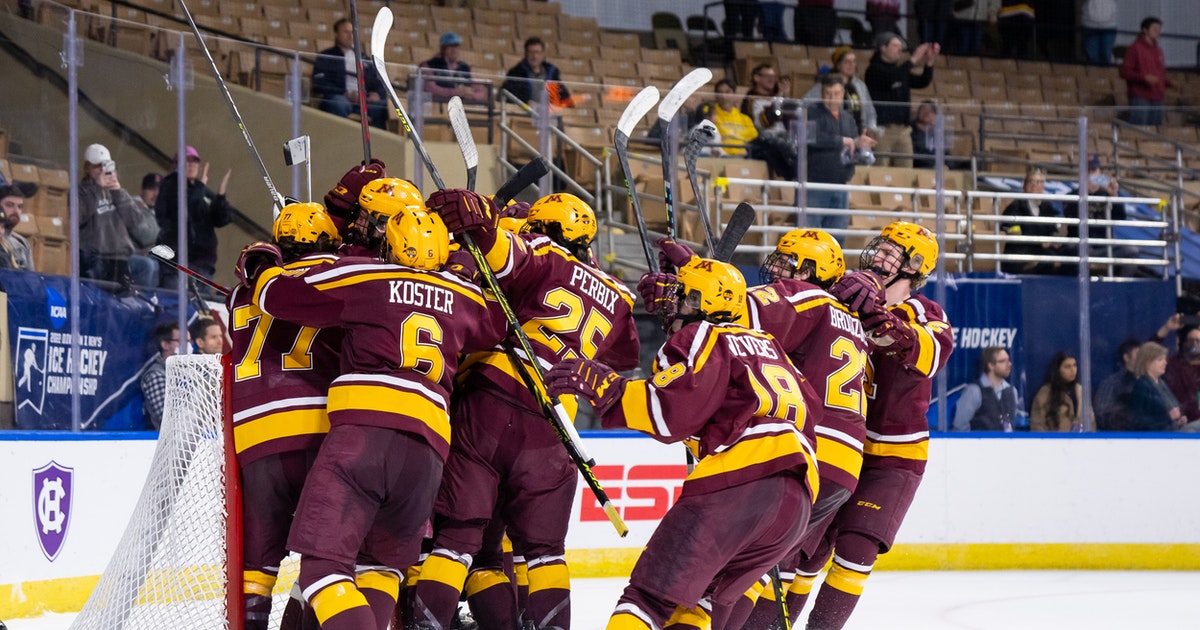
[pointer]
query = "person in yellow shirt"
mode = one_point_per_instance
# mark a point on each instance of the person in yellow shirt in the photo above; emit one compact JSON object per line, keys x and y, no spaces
{"x":735,"y":127}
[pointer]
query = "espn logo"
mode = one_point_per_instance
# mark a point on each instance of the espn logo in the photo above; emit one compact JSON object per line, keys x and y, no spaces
{"x":641,"y":493}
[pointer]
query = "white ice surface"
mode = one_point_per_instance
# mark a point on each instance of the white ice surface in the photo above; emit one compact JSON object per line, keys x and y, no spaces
{"x":958,"y":600}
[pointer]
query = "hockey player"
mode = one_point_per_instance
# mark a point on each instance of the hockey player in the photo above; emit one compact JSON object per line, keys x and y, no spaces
{"x":281,"y":374}
{"x":754,"y":444}
{"x":372,"y":487}
{"x":379,"y":200}
{"x":911,"y":340}
{"x":827,"y":345}
{"x":503,"y":447}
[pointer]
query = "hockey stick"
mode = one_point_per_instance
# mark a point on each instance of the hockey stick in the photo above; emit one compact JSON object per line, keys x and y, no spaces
{"x":466,"y":143}
{"x":362,"y":85}
{"x":667,"y":109}
{"x":785,"y":621}
{"x":167,"y":255}
{"x":629,"y":119}
{"x":741,"y":220}
{"x":527,"y":176}
{"x":703,"y":135}
{"x":534,"y":380}
{"x":276,"y":198}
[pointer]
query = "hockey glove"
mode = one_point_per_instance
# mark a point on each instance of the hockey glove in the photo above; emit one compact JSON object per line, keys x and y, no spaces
{"x":342,"y":199}
{"x":254,"y":259}
{"x":593,"y":381}
{"x":862,"y":292}
{"x":464,"y":210}
{"x":462,"y":264}
{"x":890,"y":332}
{"x":657,"y":295}
{"x":516,"y":210}
{"x":672,"y":254}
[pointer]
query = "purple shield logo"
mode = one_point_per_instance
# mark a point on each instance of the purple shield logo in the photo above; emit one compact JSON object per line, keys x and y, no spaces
{"x":52,"y":506}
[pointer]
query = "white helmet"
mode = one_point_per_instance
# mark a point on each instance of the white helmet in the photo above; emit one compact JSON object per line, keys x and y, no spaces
{"x":96,"y":154}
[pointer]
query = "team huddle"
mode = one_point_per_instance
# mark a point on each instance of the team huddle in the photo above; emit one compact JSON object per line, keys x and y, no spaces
{"x":386,"y":429}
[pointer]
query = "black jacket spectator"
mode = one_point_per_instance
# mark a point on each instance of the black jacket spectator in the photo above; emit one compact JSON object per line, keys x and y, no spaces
{"x":891,"y":87}
{"x":825,"y":145}
{"x":206,"y":212}
{"x":329,"y":75}
{"x":521,"y":79}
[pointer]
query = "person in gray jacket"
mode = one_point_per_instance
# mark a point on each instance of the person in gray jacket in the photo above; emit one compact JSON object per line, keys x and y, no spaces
{"x":833,"y":141}
{"x":991,"y":403}
{"x":111,"y":226}
{"x":858,"y":98}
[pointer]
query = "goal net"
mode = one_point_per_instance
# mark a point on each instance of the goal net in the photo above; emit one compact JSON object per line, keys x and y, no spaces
{"x":178,"y":564}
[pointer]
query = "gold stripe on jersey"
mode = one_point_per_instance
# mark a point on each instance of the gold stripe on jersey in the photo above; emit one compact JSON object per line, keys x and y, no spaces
{"x":344,"y":280}
{"x":714,"y":332}
{"x":382,"y":398}
{"x":757,"y":450}
{"x":838,"y":455}
{"x":275,"y":426}
{"x":264,"y":279}
{"x":808,"y":305}
{"x":544,"y":245}
{"x":503,"y":362}
{"x":918,"y":451}
{"x":636,"y":408}
{"x":500,"y":254}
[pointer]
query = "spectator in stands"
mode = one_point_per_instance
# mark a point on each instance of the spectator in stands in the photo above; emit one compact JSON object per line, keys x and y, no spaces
{"x":1153,"y":405}
{"x":883,"y":16}
{"x":142,"y":264}
{"x":1058,"y":404}
{"x":335,"y":79}
{"x":451,"y":76}
{"x":891,"y":79}
{"x":208,"y":336}
{"x":924,"y":147}
{"x":206,"y":211}
{"x":833,"y":141}
{"x":740,"y":17}
{"x":971,"y":18}
{"x":1101,"y":184}
{"x":933,"y":19}
{"x":990,"y":403}
{"x":153,"y":381}
{"x":534,"y":71}
{"x":1183,"y":371}
{"x":764,"y":100}
{"x":16,"y":253}
{"x":858,"y":97}
{"x":1112,"y":397}
{"x":1099,"y":21}
{"x":1035,"y":183}
{"x":735,"y":127}
{"x":1016,"y":21}
{"x":815,"y":22}
{"x":1145,"y":72}
{"x":111,"y":226}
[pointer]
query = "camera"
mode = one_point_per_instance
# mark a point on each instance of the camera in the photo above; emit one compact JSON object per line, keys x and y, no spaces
{"x":1100,"y":179}
{"x":109,"y":167}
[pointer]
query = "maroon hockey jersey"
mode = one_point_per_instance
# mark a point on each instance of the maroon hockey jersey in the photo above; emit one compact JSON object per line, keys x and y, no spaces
{"x":736,"y":393}
{"x":900,"y":387}
{"x":404,"y":331}
{"x":826,"y":342}
{"x":281,"y":375}
{"x":567,"y":308}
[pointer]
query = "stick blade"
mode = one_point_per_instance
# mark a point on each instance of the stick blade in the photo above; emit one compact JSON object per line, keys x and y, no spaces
{"x":741,"y":220}
{"x":527,"y":176}
{"x":462,"y":132}
{"x":686,"y":86}
{"x":637,"y":109}
{"x":379,"y":33}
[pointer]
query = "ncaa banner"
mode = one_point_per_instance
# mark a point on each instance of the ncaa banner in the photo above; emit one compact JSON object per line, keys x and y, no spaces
{"x":983,"y":312}
{"x":113,"y":334}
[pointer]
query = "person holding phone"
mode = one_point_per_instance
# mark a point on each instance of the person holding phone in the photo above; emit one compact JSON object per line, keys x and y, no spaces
{"x":1182,"y":374}
{"x":1101,"y":184}
{"x":111,"y":226}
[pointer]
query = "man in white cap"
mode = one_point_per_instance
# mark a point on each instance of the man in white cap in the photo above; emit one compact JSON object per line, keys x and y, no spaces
{"x":111,"y":226}
{"x":335,"y":79}
{"x":446,"y":75}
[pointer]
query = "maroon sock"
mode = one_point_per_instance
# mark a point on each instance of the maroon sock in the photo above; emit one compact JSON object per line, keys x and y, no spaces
{"x":853,"y":558}
{"x":494,"y":606}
